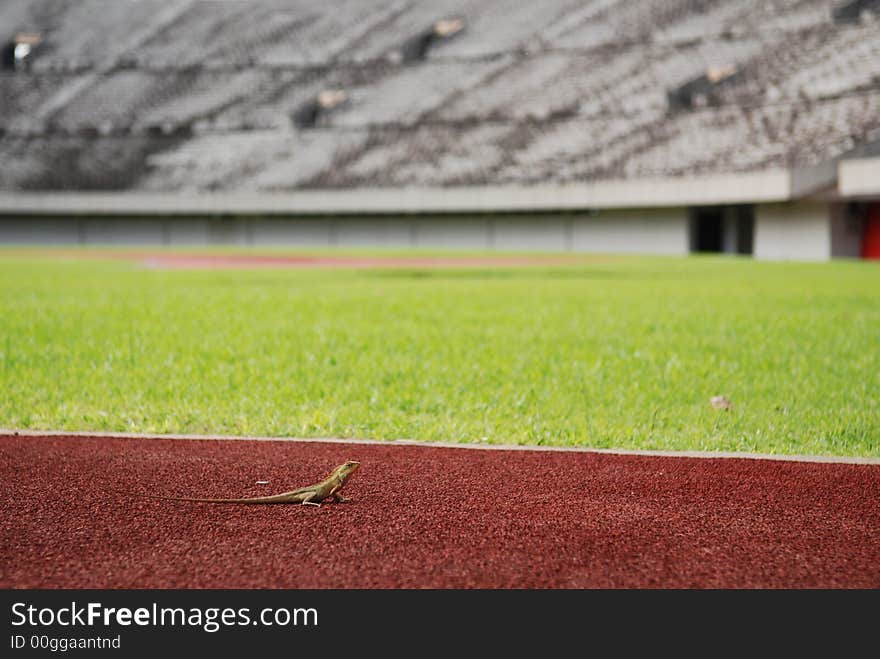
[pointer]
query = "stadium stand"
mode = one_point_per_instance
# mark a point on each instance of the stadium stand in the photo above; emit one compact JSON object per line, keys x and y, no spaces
{"x":194,"y":96}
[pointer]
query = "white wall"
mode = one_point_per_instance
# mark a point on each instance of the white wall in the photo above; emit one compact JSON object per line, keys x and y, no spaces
{"x":651,"y":231}
{"x":272,"y":231}
{"x":372,"y":232}
{"x":796,"y":231}
{"x":187,"y":230}
{"x":230,"y":231}
{"x":645,"y":231}
{"x":128,"y":231}
{"x":543,"y":233}
{"x":453,"y":232}
{"x":859,"y":176}
{"x":39,"y":231}
{"x":765,"y":186}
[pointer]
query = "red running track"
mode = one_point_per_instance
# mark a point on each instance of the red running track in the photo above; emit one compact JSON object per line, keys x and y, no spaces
{"x":428,"y":517}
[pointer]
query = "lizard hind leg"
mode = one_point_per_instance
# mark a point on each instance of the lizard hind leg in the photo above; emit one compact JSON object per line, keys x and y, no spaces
{"x":307,"y":500}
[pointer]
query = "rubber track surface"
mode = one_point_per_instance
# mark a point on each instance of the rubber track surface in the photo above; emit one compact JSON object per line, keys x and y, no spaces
{"x":427,"y":517}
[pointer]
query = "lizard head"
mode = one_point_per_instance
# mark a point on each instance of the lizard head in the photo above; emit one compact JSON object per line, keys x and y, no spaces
{"x":344,"y":471}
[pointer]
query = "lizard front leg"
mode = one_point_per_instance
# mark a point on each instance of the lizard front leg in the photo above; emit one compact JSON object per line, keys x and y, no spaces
{"x":338,"y":498}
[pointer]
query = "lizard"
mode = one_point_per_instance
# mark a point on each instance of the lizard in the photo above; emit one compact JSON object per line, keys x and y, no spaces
{"x":310,"y":495}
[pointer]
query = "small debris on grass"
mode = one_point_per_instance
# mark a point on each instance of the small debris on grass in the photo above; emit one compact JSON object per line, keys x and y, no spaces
{"x":721,"y":403}
{"x":262,"y":482}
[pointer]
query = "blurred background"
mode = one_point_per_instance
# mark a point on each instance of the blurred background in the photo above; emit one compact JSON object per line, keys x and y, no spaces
{"x":746,"y":127}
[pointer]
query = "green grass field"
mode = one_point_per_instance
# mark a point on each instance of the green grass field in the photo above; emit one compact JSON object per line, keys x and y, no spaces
{"x":621,"y":352}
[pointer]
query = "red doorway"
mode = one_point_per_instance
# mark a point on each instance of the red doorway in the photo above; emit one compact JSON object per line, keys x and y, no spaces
{"x":871,"y":239}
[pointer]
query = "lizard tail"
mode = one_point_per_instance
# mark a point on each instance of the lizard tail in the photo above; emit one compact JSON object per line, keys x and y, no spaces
{"x":274,"y":498}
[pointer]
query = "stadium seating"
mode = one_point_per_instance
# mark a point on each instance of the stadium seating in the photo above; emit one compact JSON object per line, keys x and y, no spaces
{"x":198,"y":95}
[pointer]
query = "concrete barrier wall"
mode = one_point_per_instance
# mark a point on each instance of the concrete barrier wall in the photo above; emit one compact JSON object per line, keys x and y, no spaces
{"x":651,"y":231}
{"x":39,"y":231}
{"x":272,"y":231}
{"x":648,"y":231}
{"x":454,"y":232}
{"x":793,"y":231}
{"x":132,"y":231}
{"x":372,"y":232}
{"x":545,"y":233}
{"x":188,"y":231}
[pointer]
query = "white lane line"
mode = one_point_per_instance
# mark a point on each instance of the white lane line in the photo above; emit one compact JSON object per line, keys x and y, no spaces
{"x":454,"y":445}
